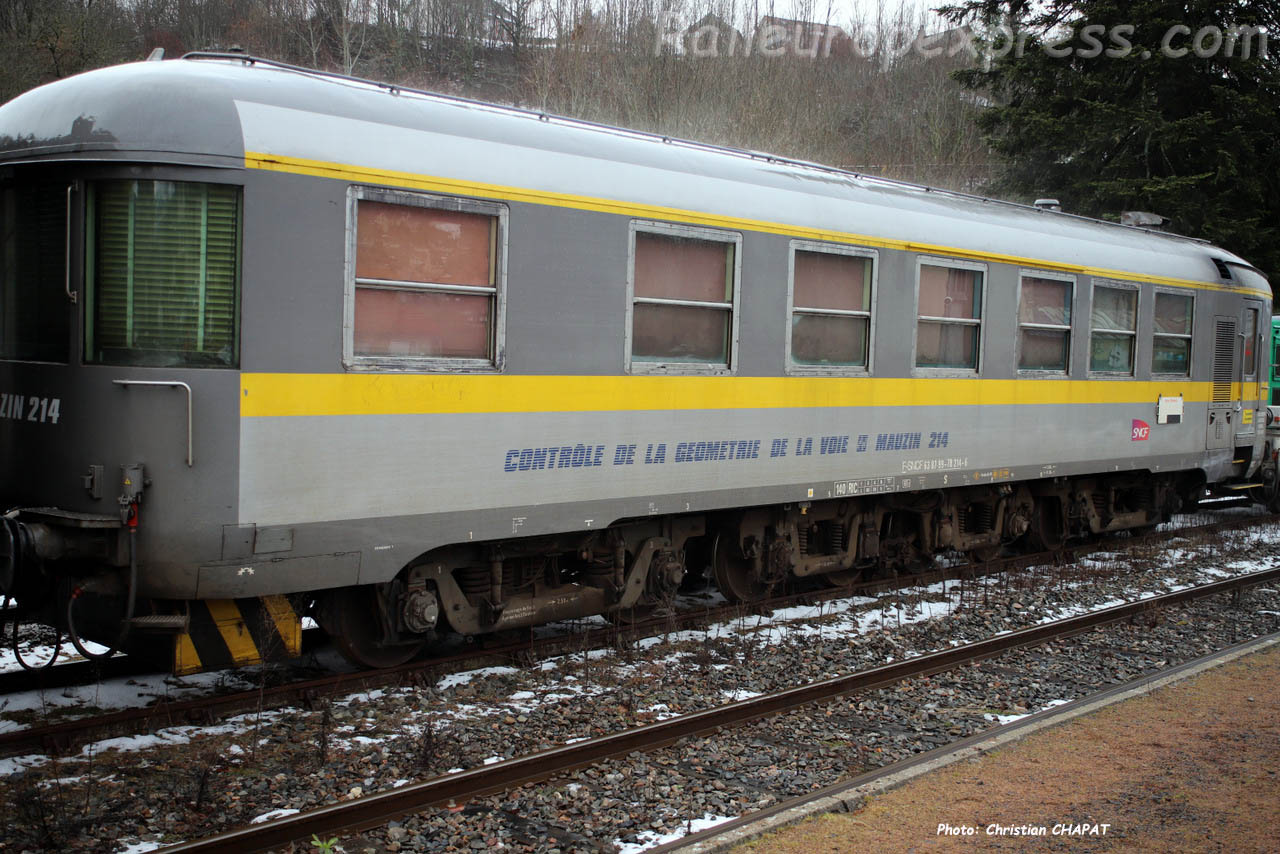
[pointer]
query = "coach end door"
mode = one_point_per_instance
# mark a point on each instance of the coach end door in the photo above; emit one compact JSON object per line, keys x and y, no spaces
{"x":1251,"y":365}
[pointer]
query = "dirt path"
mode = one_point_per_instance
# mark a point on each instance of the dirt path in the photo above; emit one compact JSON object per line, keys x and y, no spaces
{"x":1194,"y":767}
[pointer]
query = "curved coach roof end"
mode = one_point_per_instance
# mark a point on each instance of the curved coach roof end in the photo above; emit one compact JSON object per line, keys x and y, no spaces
{"x":158,"y":111}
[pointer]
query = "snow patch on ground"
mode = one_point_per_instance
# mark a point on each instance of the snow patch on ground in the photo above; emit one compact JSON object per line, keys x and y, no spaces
{"x":141,"y":846}
{"x":133,"y":692}
{"x":1008,"y":719}
{"x":455,"y":679}
{"x":649,"y":839}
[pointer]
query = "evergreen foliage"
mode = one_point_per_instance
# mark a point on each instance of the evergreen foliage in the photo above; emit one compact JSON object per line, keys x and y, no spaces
{"x":1195,"y":138}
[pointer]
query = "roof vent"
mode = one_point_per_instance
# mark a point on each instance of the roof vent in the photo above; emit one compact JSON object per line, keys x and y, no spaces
{"x":1223,"y":270}
{"x":1049,"y":204}
{"x":1144,"y":219}
{"x":156,"y":55}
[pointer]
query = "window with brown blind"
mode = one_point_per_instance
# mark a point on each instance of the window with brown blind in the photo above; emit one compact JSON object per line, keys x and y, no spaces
{"x":949,"y":315}
{"x":831,"y":289}
{"x":426,"y":281}
{"x":683,"y":291}
{"x":1044,"y":323}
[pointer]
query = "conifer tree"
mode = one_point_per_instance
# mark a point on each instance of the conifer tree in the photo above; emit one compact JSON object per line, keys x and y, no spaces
{"x":1168,"y":107}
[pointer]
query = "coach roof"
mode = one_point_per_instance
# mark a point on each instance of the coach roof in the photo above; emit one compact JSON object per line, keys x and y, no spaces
{"x":215,"y":110}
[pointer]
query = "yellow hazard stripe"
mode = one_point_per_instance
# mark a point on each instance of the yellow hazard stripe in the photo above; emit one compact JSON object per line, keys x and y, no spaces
{"x":454,"y":186}
{"x":273,"y":395}
{"x":286,"y":622}
{"x":225,"y":638}
{"x":186,"y":659}
{"x":235,"y":634}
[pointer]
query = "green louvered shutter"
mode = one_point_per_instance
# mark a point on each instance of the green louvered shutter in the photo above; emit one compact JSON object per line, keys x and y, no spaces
{"x":111,"y":292}
{"x":165,"y":283}
{"x":222,"y":262}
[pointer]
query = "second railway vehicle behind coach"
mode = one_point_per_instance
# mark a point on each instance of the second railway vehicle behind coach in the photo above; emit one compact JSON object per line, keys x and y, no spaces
{"x":275,"y":339}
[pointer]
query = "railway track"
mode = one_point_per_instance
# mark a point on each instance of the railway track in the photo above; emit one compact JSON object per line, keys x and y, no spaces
{"x":470,"y":785}
{"x":848,"y":794}
{"x":61,"y":737}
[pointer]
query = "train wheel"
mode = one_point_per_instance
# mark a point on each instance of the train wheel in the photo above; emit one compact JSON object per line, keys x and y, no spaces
{"x":843,"y":577}
{"x":1047,"y":532}
{"x":352,"y":617}
{"x":734,"y":576}
{"x":637,"y":613}
{"x":10,"y":552}
{"x":984,"y":554}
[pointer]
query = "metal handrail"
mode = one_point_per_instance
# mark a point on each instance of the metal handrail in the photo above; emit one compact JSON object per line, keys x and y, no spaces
{"x":168,"y":384}
{"x":71,"y":295}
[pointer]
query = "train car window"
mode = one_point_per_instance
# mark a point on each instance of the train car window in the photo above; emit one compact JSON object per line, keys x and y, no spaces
{"x":164,"y":274}
{"x":1044,"y":324}
{"x":949,"y":317}
{"x":1171,"y":346}
{"x":1250,"y":339}
{"x":425,"y":286}
{"x":35,"y":314}
{"x":683,"y":289}
{"x":1115,"y":328}
{"x":831,"y":290}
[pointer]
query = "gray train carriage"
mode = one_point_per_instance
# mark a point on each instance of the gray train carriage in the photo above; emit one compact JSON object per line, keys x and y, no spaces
{"x":274,"y":339}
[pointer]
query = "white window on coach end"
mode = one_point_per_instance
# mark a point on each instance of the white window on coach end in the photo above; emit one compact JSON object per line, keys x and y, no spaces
{"x":425,"y":282}
{"x":949,"y":315}
{"x":1171,"y":343}
{"x":1044,"y":322}
{"x":1115,"y":330}
{"x":682,"y":289}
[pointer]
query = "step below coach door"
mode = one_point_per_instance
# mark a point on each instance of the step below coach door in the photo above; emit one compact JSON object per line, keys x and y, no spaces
{"x":1222,"y":402}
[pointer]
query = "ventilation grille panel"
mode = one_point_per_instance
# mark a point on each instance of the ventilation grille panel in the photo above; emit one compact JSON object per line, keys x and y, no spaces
{"x":1224,"y":351}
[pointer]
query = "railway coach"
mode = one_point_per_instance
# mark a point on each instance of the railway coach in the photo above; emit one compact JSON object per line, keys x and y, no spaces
{"x":277,"y":341}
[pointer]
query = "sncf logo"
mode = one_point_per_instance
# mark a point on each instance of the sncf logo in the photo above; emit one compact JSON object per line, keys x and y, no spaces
{"x":1141,"y":431}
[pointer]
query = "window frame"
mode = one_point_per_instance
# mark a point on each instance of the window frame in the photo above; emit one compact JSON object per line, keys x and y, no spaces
{"x":88,"y":234}
{"x":1248,"y":376}
{"x":669,"y":229}
{"x":73,"y":256}
{"x":1190,"y":337}
{"x":959,"y":264}
{"x":357,"y":193}
{"x":794,"y":367}
{"x":1069,"y":328}
{"x":1115,"y":285}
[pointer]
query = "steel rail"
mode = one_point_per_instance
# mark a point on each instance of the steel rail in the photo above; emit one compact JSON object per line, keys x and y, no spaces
{"x":60,"y":737}
{"x":375,"y":810}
